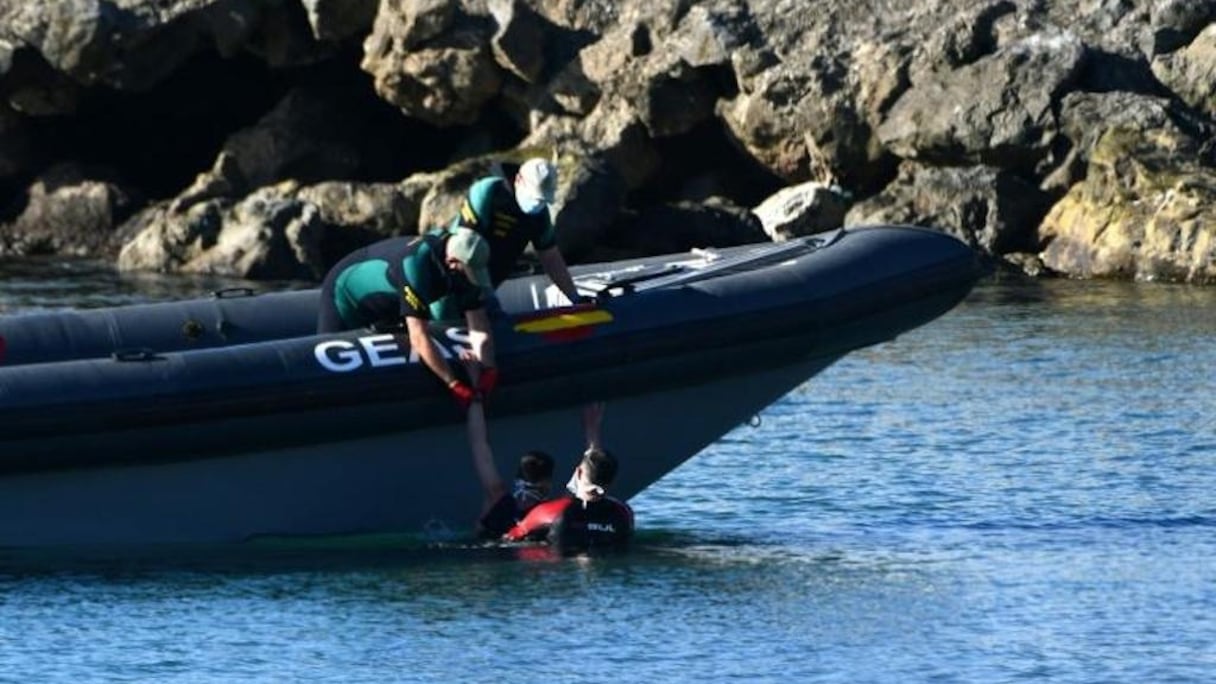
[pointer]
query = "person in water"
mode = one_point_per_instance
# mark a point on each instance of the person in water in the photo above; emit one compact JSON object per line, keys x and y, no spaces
{"x":400,"y":278}
{"x":502,"y":509}
{"x":510,"y":215}
{"x":585,"y":519}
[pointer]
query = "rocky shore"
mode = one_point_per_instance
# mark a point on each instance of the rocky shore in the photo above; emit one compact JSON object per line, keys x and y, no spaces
{"x":265,"y":138}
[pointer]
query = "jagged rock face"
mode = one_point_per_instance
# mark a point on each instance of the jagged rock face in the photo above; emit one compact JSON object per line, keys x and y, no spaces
{"x":126,"y":44}
{"x":974,"y":117}
{"x":270,"y":234}
{"x":432,"y":61}
{"x":802,"y":210}
{"x":986,"y":207}
{"x":69,"y":211}
{"x":1139,"y":213}
{"x":958,"y":117}
{"x":1191,"y":72}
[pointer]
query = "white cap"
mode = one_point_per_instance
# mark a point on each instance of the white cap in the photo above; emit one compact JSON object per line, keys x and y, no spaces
{"x":537,"y":180}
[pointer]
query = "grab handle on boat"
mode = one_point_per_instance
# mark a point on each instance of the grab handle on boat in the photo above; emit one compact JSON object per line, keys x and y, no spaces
{"x":232,"y":292}
{"x":134,"y":354}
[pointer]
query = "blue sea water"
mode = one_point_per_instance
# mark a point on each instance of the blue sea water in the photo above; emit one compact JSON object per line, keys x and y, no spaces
{"x":1019,"y":491}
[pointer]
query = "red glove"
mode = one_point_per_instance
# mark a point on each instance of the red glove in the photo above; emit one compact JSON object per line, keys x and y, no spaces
{"x":488,"y":380}
{"x":463,"y":393}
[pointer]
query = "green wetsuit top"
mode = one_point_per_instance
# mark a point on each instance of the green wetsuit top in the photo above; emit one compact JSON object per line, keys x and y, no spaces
{"x":490,"y":209}
{"x":399,"y":277}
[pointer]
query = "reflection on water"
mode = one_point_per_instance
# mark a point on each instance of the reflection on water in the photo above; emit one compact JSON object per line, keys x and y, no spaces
{"x":1019,"y":490}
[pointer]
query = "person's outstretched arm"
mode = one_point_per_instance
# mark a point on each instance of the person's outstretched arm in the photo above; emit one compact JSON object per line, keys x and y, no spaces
{"x":593,"y":419}
{"x":483,"y":456}
{"x":555,"y":266}
{"x":420,"y":341}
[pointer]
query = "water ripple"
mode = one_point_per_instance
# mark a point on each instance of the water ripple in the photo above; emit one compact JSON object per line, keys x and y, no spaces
{"x":1021,"y":490}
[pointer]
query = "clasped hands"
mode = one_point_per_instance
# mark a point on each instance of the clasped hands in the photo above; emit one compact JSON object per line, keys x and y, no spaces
{"x":484,"y":379}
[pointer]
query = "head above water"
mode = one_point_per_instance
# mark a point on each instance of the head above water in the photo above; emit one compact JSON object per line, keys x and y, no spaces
{"x":535,"y":185}
{"x":533,"y":480}
{"x":473,"y":252}
{"x":535,"y":467}
{"x":593,"y":474}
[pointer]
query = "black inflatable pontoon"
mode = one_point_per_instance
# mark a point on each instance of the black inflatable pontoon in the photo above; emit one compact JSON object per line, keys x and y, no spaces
{"x":224,"y":419}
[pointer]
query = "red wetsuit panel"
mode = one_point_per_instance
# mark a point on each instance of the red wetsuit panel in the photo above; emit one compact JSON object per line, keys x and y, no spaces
{"x":571,"y":524}
{"x":537,"y":522}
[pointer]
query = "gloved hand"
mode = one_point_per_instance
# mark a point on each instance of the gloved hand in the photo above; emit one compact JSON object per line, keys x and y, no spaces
{"x":488,"y":380}
{"x":463,"y":393}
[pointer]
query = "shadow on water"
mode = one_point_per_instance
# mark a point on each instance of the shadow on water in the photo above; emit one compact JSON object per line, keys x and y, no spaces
{"x":408,"y":554}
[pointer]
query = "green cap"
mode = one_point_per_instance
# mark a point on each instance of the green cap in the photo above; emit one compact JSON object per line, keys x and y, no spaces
{"x":470,"y":249}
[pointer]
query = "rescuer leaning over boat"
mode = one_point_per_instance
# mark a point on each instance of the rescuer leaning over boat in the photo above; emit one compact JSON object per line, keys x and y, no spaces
{"x":510,"y":215}
{"x":401,"y":278}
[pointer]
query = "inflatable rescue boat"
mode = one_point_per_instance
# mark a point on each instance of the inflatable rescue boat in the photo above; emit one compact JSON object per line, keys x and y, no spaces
{"x":227,"y":419}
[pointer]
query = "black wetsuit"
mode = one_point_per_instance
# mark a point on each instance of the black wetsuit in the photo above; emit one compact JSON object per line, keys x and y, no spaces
{"x":569,"y":524}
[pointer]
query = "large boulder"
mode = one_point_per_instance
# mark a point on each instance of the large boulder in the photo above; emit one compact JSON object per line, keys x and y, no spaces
{"x":432,"y":60}
{"x":968,"y":116}
{"x":127,"y":45}
{"x":283,"y":231}
{"x":1146,"y":210}
{"x":592,"y":194}
{"x":1191,"y":72}
{"x":69,"y":210}
{"x":268,"y":235}
{"x":1175,"y":23}
{"x":357,"y":214}
{"x":803,"y":209}
{"x":990,"y":209}
{"x":519,"y":41}
{"x":1085,"y":117}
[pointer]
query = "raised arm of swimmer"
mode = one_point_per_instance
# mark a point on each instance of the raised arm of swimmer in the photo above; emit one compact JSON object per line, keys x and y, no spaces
{"x":492,"y":485}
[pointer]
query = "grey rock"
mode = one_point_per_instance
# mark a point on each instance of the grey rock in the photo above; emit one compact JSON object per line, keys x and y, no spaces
{"x":69,"y":210}
{"x":801,"y":210}
{"x":1191,"y":72}
{"x":1146,"y":210}
{"x":968,"y":116}
{"x":974,"y":117}
{"x":990,"y":209}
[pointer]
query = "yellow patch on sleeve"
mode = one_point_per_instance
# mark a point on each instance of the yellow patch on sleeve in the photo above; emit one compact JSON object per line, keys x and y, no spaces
{"x":412,"y":297}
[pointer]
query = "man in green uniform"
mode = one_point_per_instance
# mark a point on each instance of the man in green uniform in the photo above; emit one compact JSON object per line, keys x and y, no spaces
{"x":510,"y":214}
{"x":401,"y":278}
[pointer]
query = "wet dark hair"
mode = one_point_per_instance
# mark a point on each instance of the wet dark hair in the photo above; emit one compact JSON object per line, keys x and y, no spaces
{"x":600,"y":466}
{"x":535,"y":466}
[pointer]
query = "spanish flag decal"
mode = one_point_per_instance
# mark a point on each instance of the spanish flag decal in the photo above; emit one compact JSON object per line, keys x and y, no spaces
{"x":563,"y":325}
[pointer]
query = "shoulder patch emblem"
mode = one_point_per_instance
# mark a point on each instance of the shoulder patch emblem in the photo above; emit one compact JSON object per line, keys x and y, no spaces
{"x":412,"y":297}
